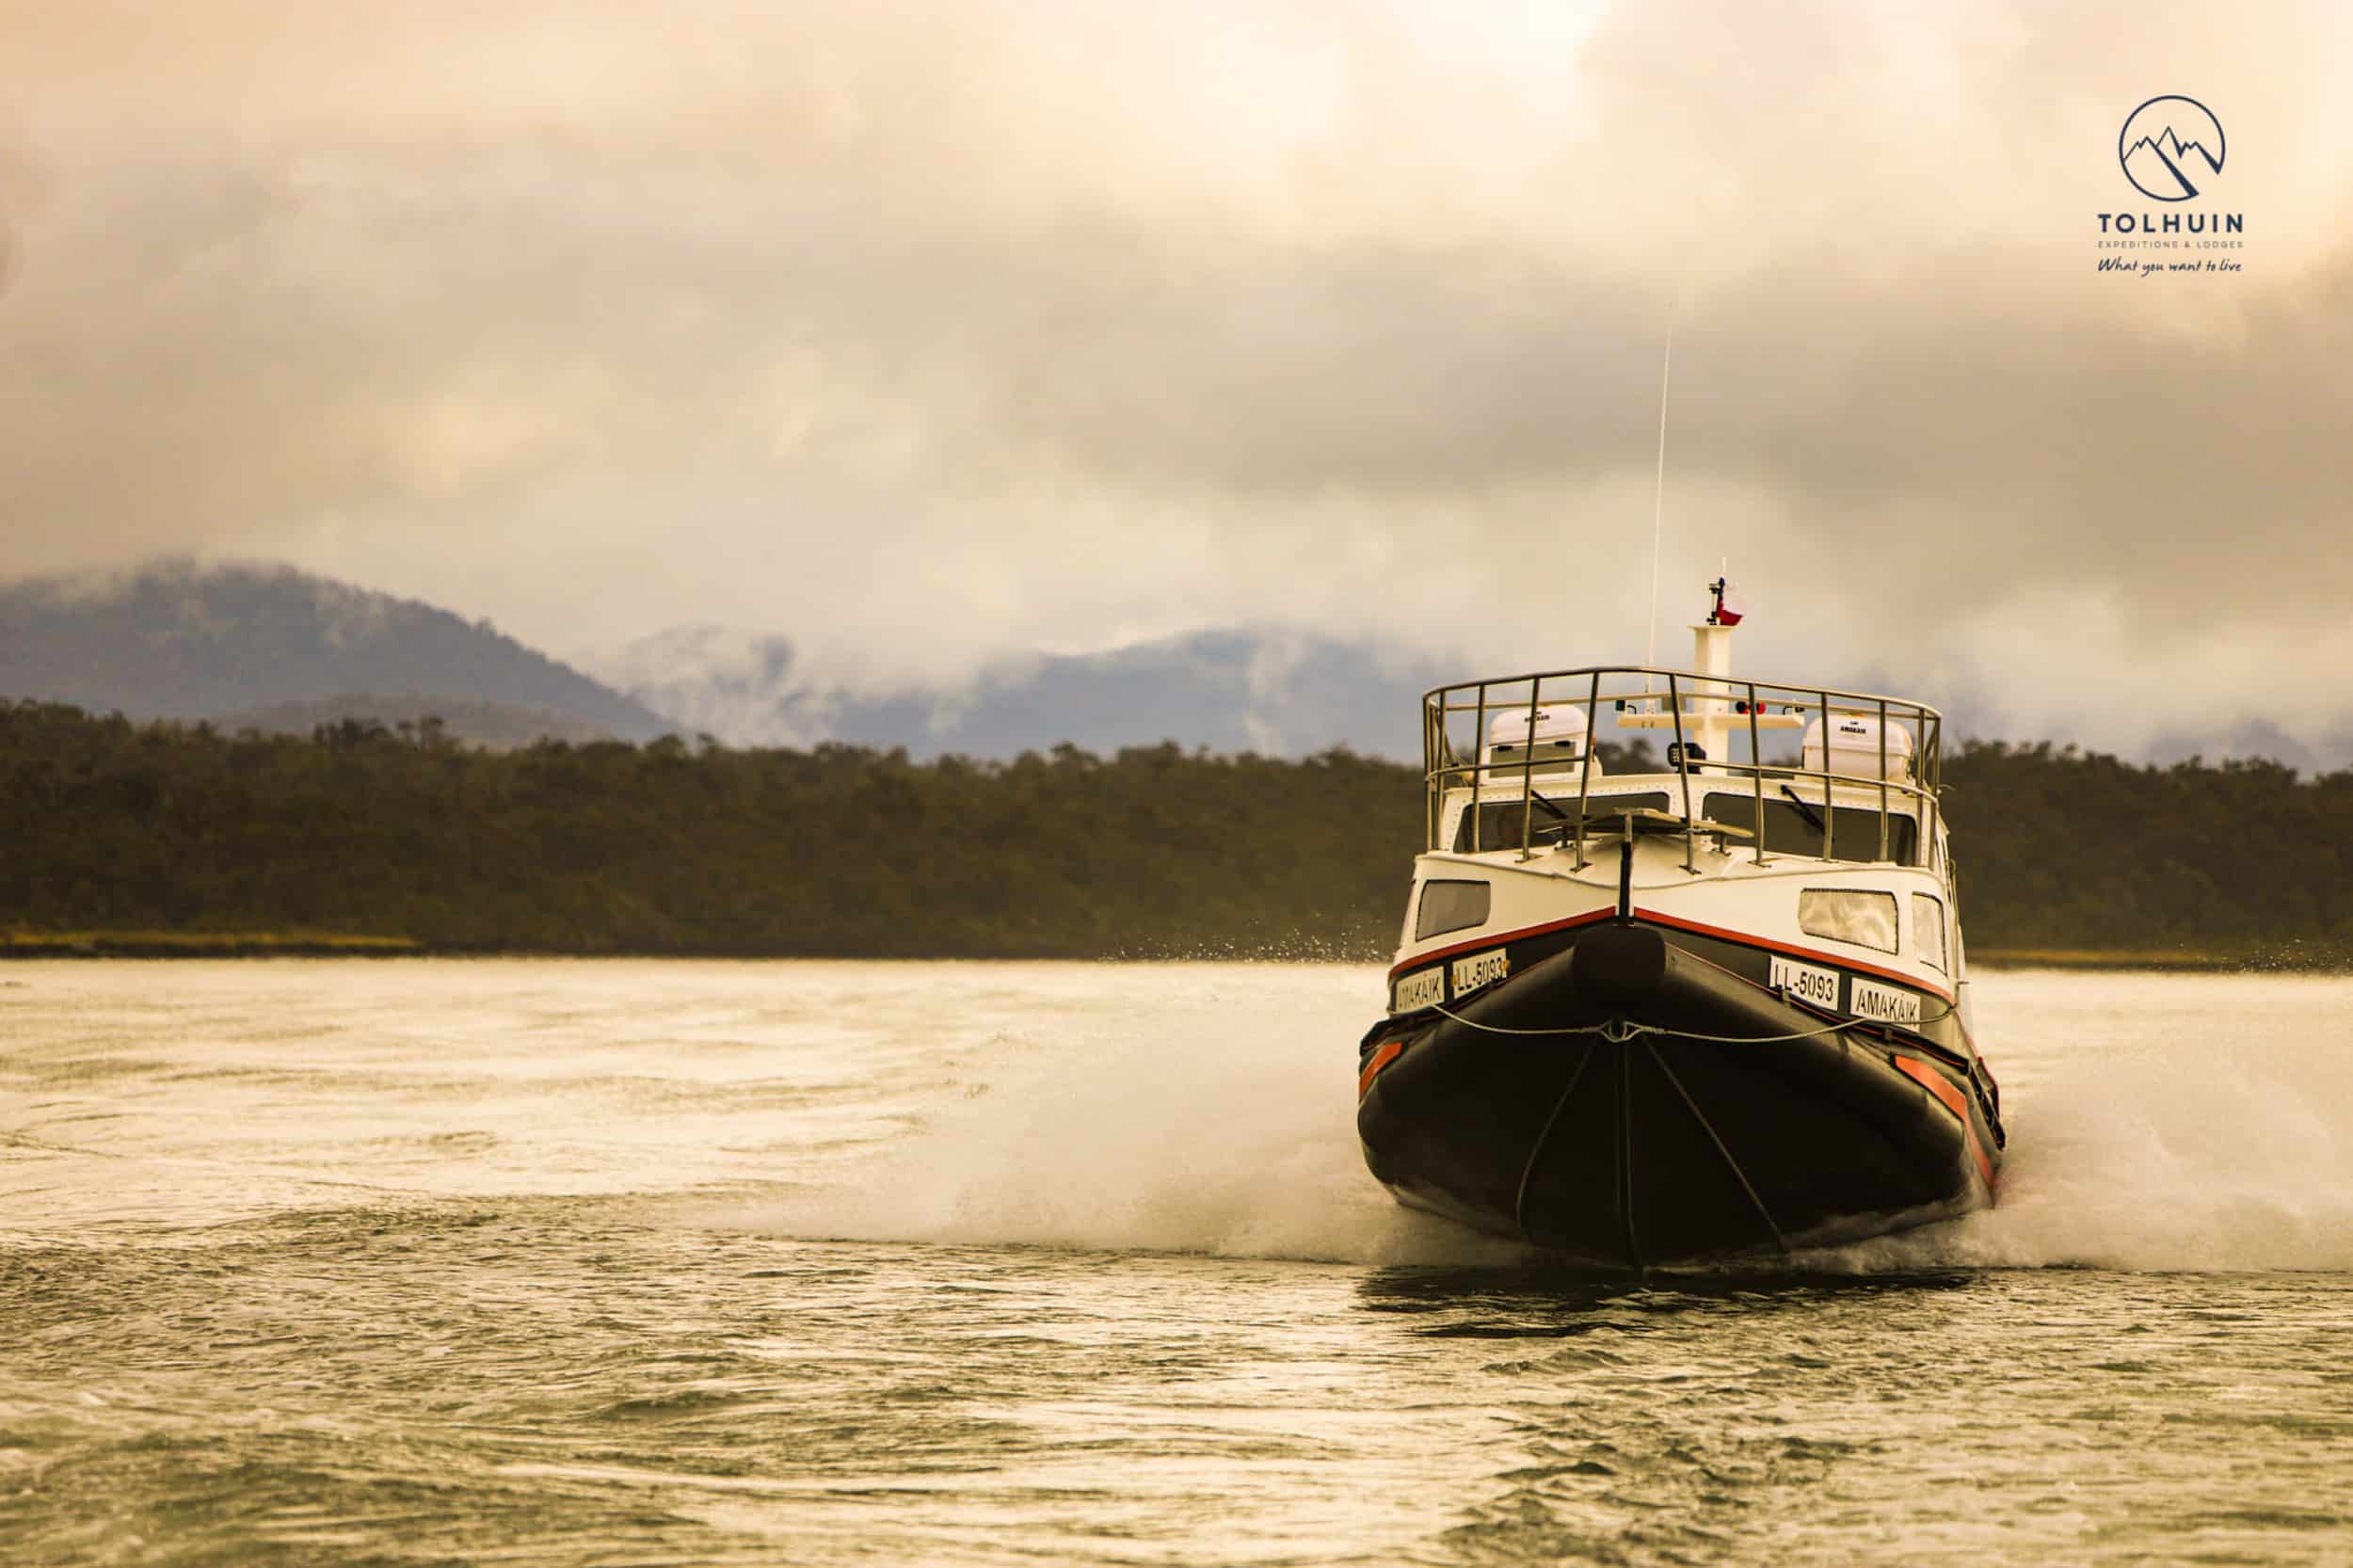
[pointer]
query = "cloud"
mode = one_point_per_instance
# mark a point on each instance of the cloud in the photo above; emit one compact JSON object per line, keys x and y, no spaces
{"x":921,"y":337}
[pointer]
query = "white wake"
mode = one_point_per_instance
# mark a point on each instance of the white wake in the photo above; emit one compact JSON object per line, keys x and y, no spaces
{"x":2156,"y":1123}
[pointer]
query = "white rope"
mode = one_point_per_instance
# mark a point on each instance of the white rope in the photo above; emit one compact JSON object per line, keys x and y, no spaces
{"x":1618,"y":1032}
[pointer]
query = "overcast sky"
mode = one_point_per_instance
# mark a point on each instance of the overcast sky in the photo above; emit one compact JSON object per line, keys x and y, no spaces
{"x":924,"y":333}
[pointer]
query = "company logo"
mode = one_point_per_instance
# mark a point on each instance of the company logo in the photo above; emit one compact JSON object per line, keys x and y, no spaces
{"x":2167,"y":146}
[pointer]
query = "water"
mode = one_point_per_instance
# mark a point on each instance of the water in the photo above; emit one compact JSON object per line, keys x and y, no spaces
{"x":556,"y":1263}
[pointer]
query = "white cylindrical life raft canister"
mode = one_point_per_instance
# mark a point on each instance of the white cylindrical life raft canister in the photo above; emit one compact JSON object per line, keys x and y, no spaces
{"x":1854,"y":747}
{"x":1558,"y":739}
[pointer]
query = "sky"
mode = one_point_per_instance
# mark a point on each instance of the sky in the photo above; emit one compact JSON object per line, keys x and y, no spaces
{"x":925,"y":335}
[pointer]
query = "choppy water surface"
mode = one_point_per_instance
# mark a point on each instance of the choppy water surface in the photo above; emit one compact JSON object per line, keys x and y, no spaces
{"x":799,"y":1263}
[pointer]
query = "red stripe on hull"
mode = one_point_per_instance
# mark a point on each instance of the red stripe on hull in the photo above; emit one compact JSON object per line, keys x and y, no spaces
{"x":1748,"y":939}
{"x":1722,"y":933}
{"x":1498,"y":938}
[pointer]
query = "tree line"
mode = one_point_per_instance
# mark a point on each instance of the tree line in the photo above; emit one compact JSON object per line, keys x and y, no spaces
{"x":672,"y":848}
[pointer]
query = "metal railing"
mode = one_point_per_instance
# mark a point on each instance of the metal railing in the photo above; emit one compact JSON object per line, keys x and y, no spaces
{"x":1689,"y":703}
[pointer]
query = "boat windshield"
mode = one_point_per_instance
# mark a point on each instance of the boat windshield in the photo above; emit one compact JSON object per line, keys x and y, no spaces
{"x":1496,"y":824}
{"x":1796,"y":827}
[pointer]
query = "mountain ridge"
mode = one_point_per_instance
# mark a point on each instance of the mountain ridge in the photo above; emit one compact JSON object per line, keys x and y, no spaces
{"x":187,"y":640}
{"x":1230,"y":689}
{"x":272,"y":647}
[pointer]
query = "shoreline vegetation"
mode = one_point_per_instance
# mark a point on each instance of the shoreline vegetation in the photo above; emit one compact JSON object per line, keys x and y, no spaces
{"x":162,"y":840}
{"x":2178,"y":960}
{"x":297,"y":944}
{"x":204,"y":944}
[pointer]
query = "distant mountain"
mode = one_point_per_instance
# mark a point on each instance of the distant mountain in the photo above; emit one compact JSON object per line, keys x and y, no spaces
{"x":272,"y":649}
{"x":179,"y":640}
{"x":1276,"y":692}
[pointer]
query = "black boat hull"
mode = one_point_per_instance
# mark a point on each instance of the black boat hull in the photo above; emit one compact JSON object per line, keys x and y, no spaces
{"x":1628,"y":1101}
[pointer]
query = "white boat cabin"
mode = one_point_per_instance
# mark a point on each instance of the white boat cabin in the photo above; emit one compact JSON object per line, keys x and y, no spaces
{"x":1833,"y":846}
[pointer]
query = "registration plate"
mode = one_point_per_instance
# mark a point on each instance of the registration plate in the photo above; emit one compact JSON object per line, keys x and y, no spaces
{"x":1805,"y":981}
{"x":1482,"y":968}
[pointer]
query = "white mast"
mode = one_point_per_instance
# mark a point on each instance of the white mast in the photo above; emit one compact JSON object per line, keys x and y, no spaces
{"x":1658,"y":507}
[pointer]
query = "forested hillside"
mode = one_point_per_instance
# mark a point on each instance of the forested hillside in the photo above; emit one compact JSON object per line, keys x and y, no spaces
{"x":608,"y":847}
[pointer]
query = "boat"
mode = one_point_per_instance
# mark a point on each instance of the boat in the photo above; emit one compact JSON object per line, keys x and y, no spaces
{"x":1710,"y":1012}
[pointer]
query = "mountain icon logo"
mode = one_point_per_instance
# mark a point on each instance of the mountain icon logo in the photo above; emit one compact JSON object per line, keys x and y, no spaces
{"x":2168,"y":145}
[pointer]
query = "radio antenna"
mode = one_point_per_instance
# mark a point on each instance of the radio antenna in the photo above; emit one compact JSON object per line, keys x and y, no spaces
{"x":1658,"y":507}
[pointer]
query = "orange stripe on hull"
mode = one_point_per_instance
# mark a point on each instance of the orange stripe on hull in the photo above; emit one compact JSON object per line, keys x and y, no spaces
{"x":1941,"y":1087}
{"x":1381,"y":1058}
{"x":1936,"y":1084}
{"x":1977,"y":1152}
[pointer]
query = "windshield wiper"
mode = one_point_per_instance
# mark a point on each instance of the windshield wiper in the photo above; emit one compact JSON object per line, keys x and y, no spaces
{"x":1803,"y":809}
{"x":1562,"y":824}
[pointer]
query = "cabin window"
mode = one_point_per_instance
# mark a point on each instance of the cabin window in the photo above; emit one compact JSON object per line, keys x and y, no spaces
{"x":1497,"y":823}
{"x":1927,"y":930}
{"x":1451,"y":906}
{"x":1845,"y":914}
{"x":1794,"y":829}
